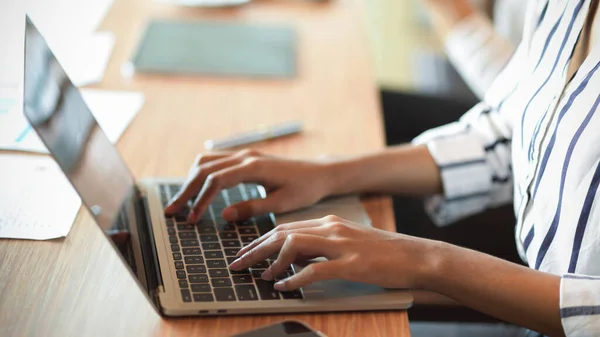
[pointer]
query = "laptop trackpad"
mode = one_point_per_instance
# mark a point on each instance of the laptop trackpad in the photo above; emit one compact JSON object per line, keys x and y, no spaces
{"x":337,"y":288}
{"x":348,"y":207}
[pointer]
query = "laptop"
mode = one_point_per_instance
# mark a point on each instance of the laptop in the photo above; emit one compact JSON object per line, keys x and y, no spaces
{"x":181,"y":267}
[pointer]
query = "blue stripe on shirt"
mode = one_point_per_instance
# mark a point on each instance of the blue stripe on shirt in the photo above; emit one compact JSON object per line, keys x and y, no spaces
{"x":554,"y":225}
{"x":529,"y":238}
{"x":556,"y":59}
{"x":550,"y":36}
{"x":561,"y":114}
{"x":583,"y":218}
{"x":587,"y":310}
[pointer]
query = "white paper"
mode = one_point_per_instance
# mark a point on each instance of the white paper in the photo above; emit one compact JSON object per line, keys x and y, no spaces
{"x":114,"y":111}
{"x":67,"y":26}
{"x":36,"y":200}
{"x":86,"y":63}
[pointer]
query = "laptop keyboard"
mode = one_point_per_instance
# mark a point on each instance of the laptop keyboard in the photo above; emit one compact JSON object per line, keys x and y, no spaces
{"x":202,"y":252}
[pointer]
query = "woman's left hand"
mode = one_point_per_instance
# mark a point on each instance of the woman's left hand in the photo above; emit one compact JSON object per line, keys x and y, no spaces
{"x":354,"y":252}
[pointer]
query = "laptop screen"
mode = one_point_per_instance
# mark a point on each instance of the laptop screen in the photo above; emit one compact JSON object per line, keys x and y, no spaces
{"x":56,"y":110}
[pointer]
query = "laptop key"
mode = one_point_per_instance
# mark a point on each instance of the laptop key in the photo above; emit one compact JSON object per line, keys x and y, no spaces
{"x":231,"y":251}
{"x":224,"y":294}
{"x":181,"y":274}
{"x":186,"y":295}
{"x":228,"y":236}
{"x":173,"y":239}
{"x":231,"y":243}
{"x":176,"y":256}
{"x":191,"y":251}
{"x":218,"y":273}
{"x":175,"y":248}
{"x":246,"y":292}
{"x":185,"y":227}
{"x":183,"y":283}
{"x":216,"y":264}
{"x":190,"y":243}
{"x":170,"y":223}
{"x":245,"y":223}
{"x":187,"y":235}
{"x":261,"y":265}
{"x":266,"y":290}
{"x":247,"y":231}
{"x":201,"y":288}
{"x":178,"y":264}
{"x":264,"y":223}
{"x":228,"y":227}
{"x":248,"y":238}
{"x":257,"y":273}
{"x":240,"y":272}
{"x":220,"y":282}
{"x":196,"y":269}
{"x":209,"y":238}
{"x":237,"y":279}
{"x":171,"y":231}
{"x":211,"y":246}
{"x":292,"y":295}
{"x":194,"y":260}
{"x":230,"y":259}
{"x":214,"y":254}
{"x":198,"y":278}
{"x":207,"y":230}
{"x":203,"y":298}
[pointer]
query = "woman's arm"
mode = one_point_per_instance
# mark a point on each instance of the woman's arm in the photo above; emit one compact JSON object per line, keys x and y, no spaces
{"x":507,"y":291}
{"x":510,"y":292}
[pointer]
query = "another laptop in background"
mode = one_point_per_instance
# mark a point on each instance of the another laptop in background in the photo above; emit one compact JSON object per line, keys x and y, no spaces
{"x":182,"y":268}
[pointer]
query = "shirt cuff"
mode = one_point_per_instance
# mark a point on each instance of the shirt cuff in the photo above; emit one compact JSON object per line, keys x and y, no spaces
{"x":580,"y":305}
{"x":465,"y":174}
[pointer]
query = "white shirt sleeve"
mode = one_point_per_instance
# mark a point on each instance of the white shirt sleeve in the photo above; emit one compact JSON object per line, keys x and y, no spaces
{"x":478,"y":52}
{"x":580,"y":305}
{"x":473,"y":154}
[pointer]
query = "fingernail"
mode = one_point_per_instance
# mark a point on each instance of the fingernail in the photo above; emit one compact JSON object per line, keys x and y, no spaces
{"x":235,"y":265}
{"x":267,"y":275}
{"x":191,"y":217}
{"x":230,"y":214}
{"x":280,"y":286}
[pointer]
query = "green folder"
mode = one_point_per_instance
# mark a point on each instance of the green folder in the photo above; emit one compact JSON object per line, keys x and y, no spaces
{"x":217,"y":48}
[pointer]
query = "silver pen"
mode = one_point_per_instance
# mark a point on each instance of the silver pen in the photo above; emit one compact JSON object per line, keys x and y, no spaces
{"x":261,"y":134}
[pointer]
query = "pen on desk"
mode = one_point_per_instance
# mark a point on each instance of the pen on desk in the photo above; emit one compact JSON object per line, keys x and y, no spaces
{"x":259,"y":135}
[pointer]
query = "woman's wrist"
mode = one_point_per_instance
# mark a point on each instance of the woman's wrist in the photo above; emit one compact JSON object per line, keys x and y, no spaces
{"x":429,"y":262}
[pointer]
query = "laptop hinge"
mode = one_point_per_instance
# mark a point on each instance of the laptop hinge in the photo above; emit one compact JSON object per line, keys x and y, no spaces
{"x":148,"y":246}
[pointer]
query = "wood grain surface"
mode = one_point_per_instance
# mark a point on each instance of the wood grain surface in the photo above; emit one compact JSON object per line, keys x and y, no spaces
{"x":77,"y":286}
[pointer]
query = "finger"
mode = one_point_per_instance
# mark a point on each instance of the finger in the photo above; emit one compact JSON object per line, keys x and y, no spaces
{"x":207,"y":158}
{"x":297,"y":245}
{"x":228,"y":177}
{"x":284,"y":227}
{"x":271,"y":246}
{"x":314,"y":272}
{"x":195,"y":181}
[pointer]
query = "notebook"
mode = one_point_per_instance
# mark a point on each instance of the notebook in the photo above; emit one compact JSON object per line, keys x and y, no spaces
{"x":216,"y":48}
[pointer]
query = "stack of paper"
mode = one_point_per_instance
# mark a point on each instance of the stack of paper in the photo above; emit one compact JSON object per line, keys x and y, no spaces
{"x":36,"y":200}
{"x":114,"y":111}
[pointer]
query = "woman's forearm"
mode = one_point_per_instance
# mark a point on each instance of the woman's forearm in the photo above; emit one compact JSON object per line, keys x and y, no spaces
{"x":501,"y":289}
{"x":404,"y":169}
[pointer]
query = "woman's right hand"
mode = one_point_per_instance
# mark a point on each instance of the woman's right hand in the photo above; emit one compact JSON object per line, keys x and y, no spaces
{"x":290,"y":184}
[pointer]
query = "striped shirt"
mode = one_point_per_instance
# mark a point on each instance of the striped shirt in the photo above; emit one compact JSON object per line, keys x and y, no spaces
{"x":535,"y":140}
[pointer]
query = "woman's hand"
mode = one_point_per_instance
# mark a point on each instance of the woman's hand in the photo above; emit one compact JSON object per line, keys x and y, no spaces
{"x":354,"y":252}
{"x":290,"y":184}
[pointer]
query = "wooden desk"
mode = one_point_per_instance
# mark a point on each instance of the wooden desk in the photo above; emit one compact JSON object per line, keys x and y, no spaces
{"x":78,"y":287}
